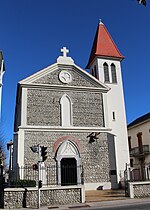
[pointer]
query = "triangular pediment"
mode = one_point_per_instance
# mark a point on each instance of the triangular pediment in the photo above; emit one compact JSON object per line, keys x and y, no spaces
{"x":62,"y":75}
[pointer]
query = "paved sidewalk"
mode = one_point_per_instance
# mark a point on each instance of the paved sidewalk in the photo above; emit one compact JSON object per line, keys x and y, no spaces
{"x":103,"y":204}
{"x":95,"y":205}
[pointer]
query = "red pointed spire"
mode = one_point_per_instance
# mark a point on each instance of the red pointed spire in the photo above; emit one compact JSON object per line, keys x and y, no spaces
{"x":103,"y":45}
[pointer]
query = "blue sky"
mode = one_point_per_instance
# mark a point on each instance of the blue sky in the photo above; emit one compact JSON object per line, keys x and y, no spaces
{"x":33,"y":31}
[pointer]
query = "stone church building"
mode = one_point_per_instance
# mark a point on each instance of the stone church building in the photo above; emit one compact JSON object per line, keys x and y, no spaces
{"x":79,"y":117}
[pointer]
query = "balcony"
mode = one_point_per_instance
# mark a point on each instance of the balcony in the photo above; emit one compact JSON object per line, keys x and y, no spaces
{"x":138,"y":152}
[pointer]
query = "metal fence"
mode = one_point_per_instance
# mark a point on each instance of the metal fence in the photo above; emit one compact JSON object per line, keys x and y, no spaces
{"x":50,"y":175}
{"x":137,"y":173}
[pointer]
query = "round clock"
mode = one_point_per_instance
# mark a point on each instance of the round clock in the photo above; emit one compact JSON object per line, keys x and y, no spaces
{"x":65,"y":76}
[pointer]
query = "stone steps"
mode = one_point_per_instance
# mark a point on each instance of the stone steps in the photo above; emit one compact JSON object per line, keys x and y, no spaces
{"x":104,"y":195}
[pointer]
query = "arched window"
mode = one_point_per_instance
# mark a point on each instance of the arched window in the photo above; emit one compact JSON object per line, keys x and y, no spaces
{"x":106,"y":72}
{"x":66,"y":111}
{"x":113,"y":73}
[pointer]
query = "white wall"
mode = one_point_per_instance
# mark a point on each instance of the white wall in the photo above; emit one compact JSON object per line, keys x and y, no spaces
{"x":114,"y":102}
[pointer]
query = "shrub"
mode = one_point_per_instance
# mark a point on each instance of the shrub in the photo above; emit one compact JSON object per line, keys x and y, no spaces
{"x":23,"y":183}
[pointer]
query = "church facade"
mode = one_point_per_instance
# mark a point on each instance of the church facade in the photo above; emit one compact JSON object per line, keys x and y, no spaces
{"x":78,"y":117}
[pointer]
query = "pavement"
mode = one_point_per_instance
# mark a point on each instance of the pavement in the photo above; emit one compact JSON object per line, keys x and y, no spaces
{"x":99,"y":199}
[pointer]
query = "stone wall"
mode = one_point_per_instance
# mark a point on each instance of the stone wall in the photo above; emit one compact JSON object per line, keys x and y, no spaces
{"x":44,"y":109}
{"x":78,"y":79}
{"x":139,"y":189}
{"x":1,"y":186}
{"x":20,"y":197}
{"x":13,"y":198}
{"x":94,"y":156}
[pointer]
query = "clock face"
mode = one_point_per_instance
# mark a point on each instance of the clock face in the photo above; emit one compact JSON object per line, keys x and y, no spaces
{"x":65,"y":76}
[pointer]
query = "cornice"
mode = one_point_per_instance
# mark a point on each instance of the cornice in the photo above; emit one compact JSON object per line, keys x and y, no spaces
{"x":65,"y":129}
{"x":63,"y":88}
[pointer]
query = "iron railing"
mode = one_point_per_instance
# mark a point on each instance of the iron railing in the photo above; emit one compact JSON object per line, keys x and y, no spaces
{"x":137,"y":173}
{"x":50,"y":175}
{"x":136,"y":151}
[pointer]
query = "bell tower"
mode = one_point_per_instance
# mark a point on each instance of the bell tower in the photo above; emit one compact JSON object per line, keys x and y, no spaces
{"x":105,"y":64}
{"x":2,"y":70}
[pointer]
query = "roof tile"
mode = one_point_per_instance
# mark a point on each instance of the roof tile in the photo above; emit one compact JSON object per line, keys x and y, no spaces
{"x":103,"y":45}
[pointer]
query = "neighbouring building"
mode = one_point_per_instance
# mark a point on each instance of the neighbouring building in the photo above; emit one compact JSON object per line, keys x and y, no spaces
{"x":79,"y":117}
{"x":139,"y":146}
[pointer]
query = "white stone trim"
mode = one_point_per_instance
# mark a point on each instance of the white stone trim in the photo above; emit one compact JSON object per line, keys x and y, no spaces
{"x":44,"y":188}
{"x":65,"y":129}
{"x":24,"y":107}
{"x":56,"y":66}
{"x":131,"y":186}
{"x":61,"y":153}
{"x":64,"y":111}
{"x":95,"y":186}
{"x":65,"y":60}
{"x":16,"y":189}
{"x":63,"y":88}
{"x":65,"y":76}
{"x":20,"y":150}
{"x":83,"y":194}
{"x":105,"y":109}
{"x":131,"y":193}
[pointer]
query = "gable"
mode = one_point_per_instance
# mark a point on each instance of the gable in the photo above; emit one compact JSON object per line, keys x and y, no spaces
{"x":51,"y":76}
{"x":140,"y":120}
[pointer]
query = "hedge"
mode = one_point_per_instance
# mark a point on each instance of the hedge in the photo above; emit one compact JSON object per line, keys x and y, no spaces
{"x":23,"y":183}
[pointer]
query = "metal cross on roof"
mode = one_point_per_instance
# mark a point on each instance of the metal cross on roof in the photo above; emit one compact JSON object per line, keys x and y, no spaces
{"x":64,"y":50}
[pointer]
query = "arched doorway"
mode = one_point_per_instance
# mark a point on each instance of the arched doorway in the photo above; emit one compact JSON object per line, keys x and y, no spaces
{"x":68,"y":164}
{"x":68,"y":171}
